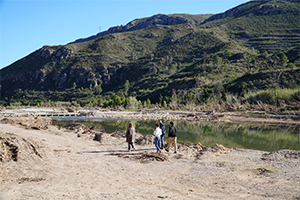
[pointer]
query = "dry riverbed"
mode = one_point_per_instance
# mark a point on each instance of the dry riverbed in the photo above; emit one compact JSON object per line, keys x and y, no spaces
{"x":41,"y":161}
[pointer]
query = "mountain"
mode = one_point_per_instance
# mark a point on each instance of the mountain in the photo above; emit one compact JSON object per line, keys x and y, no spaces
{"x":253,"y":46}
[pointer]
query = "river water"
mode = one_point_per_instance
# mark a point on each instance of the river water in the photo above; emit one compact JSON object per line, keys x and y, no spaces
{"x":242,"y":135}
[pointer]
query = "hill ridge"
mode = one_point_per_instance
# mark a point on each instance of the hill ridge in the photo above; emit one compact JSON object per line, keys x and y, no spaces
{"x":137,"y":24}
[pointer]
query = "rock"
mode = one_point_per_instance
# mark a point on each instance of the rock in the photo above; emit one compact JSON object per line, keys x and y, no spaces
{"x":35,"y":128}
{"x":86,"y":114}
{"x":241,"y":9}
{"x":62,"y":54}
{"x":60,"y":79}
{"x":261,"y":171}
{"x":268,"y":10}
{"x":45,"y":52}
{"x":39,"y":74}
{"x":151,"y":35}
{"x":98,"y":137}
{"x":238,"y":56}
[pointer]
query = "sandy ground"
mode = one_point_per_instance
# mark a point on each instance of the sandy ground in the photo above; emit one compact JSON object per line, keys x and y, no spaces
{"x":41,"y":161}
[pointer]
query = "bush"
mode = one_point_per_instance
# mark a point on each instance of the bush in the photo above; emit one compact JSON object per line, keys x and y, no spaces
{"x":270,"y":97}
{"x":266,"y":96}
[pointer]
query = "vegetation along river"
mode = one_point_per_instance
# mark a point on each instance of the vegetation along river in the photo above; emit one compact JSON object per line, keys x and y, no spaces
{"x":243,"y":135}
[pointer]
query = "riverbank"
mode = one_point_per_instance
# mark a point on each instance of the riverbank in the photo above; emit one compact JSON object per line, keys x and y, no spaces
{"x":236,"y":116}
{"x":42,"y":161}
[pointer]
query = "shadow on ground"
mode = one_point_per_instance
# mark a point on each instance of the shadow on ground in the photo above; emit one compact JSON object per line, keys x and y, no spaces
{"x":122,"y":151}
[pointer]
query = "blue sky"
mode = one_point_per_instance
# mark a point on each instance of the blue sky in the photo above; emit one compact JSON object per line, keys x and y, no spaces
{"x":27,"y":25}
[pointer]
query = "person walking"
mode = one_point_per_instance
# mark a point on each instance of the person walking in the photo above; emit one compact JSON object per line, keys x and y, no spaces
{"x":172,"y":137}
{"x":163,"y":131}
{"x":130,"y":136}
{"x":157,"y":134}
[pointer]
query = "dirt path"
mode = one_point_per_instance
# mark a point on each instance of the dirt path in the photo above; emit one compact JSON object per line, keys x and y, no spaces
{"x":65,"y":166}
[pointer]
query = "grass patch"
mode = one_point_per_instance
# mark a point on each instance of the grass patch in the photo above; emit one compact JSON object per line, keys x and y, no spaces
{"x":271,"y":169}
{"x":225,"y":161}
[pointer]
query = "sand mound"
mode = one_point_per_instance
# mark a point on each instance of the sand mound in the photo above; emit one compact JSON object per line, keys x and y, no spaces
{"x":194,"y":147}
{"x":28,"y":121}
{"x":14,"y":148}
{"x":281,"y":155}
{"x":220,"y":149}
{"x":77,"y":127}
{"x":119,"y":134}
{"x":145,"y":140}
{"x":198,"y":149}
{"x":80,"y":129}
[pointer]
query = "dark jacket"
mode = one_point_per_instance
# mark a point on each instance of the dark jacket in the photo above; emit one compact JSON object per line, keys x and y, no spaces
{"x":163,"y":128}
{"x":172,"y":131}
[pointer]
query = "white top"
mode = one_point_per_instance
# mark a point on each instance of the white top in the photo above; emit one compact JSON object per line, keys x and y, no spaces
{"x":157,"y":132}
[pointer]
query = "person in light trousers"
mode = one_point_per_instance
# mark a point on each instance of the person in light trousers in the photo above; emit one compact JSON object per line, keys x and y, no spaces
{"x":172,"y":137}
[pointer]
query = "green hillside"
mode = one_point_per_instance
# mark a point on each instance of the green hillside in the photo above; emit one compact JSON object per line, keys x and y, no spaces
{"x":177,"y":58}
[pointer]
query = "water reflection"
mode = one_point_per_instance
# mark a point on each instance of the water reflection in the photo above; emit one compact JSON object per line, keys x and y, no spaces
{"x":242,"y":135}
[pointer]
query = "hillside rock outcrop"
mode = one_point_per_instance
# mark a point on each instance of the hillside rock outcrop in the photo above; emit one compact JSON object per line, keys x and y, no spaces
{"x":137,"y":24}
{"x":248,"y":10}
{"x":58,"y":55}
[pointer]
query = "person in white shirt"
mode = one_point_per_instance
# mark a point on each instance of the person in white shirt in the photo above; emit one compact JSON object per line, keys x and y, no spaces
{"x":157,"y":134}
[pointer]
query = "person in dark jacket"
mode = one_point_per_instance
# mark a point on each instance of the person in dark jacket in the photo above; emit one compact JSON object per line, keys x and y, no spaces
{"x":130,"y":136}
{"x":163,"y":130}
{"x":172,"y":137}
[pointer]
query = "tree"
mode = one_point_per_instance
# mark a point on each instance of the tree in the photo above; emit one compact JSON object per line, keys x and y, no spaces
{"x":148,"y":102}
{"x":74,"y":86}
{"x":174,"y":98}
{"x":98,"y":89}
{"x":206,"y":94}
{"x":283,"y":59}
{"x":131,"y":102}
{"x":244,"y":87}
{"x":117,"y":100}
{"x":126,"y":87}
{"x":217,"y":60}
{"x":100,"y":102}
{"x":145,"y":103}
{"x":224,"y":96}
